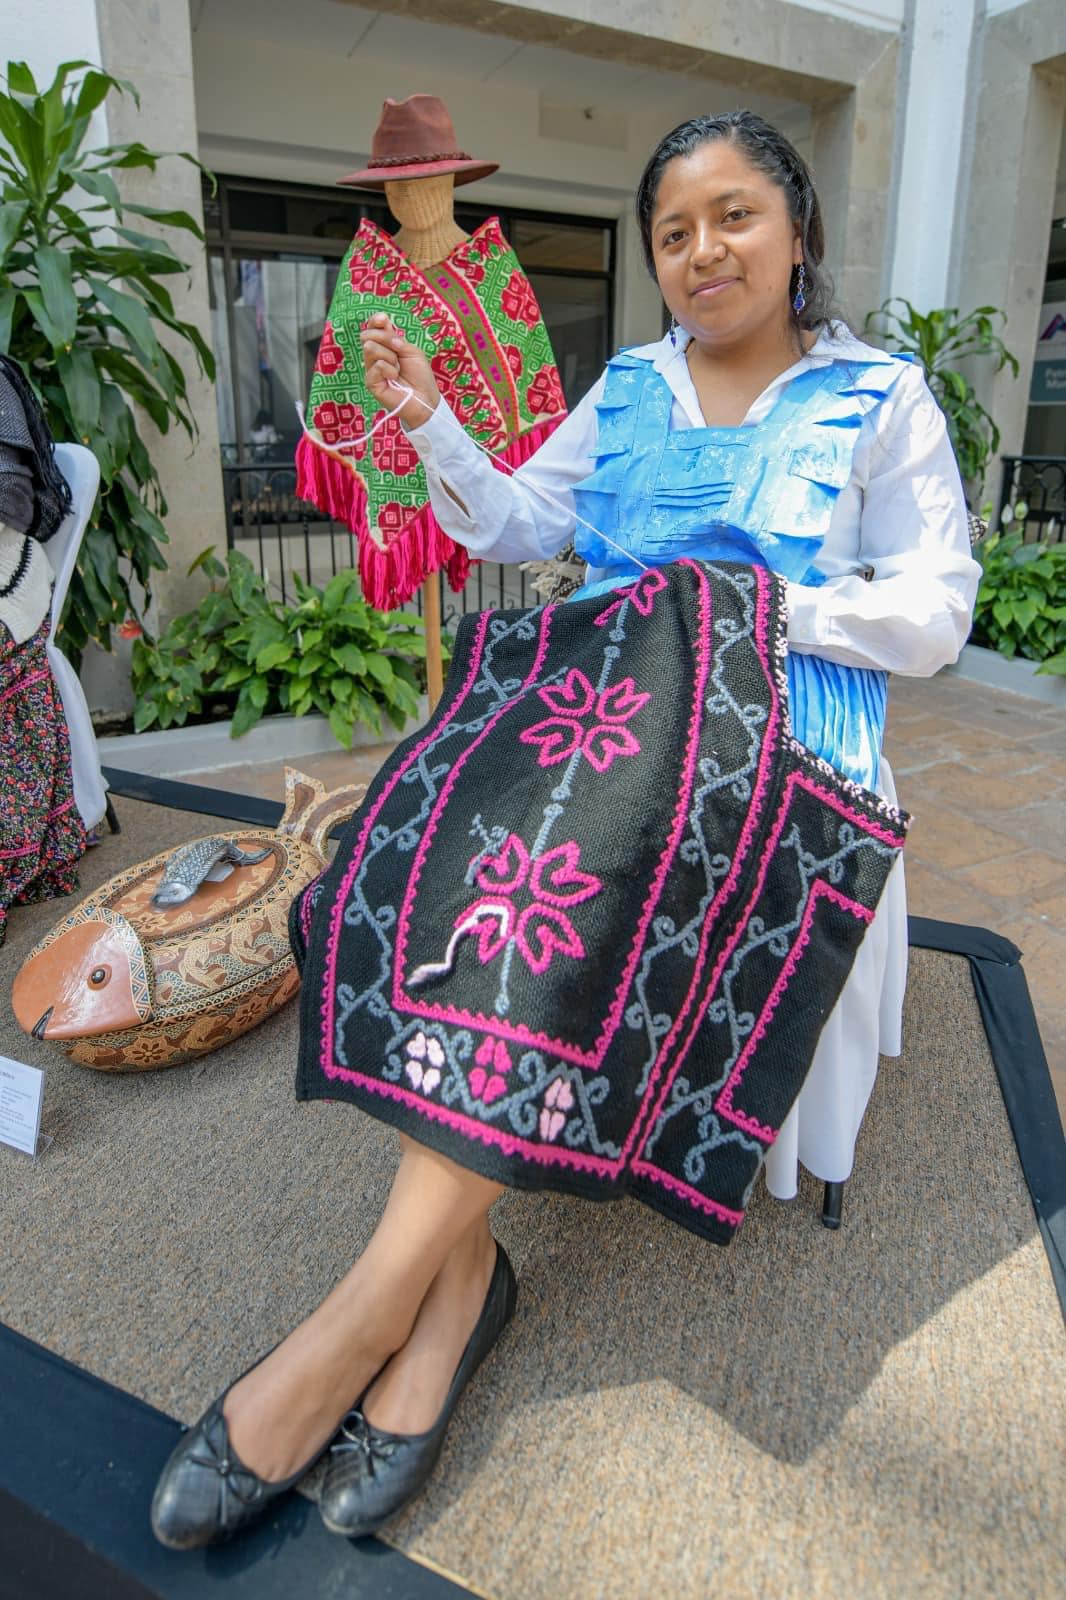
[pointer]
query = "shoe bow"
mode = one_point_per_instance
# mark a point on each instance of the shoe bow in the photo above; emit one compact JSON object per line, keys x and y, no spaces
{"x":356,"y":1436}
{"x":215,"y":1453}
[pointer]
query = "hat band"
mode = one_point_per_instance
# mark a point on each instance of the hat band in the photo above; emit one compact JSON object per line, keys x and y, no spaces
{"x":419,"y":160}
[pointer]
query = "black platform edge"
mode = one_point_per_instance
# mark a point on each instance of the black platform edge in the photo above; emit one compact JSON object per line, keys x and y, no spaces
{"x":250,"y":808}
{"x":78,"y":1464}
{"x":1021,"y":1066}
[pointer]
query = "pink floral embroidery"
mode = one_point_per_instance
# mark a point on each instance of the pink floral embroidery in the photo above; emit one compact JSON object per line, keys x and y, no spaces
{"x":486,"y":1078}
{"x":558,"y":1100}
{"x":581,"y":720}
{"x":642,"y":595}
{"x":555,"y":882}
{"x":514,"y":358}
{"x":425,"y":1057}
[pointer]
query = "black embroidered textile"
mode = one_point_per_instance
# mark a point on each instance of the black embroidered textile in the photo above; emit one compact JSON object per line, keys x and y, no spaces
{"x":588,"y":925}
{"x":34,"y":495}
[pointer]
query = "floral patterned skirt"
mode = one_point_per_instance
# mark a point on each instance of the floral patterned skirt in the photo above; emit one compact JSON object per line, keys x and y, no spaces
{"x":41,"y":833}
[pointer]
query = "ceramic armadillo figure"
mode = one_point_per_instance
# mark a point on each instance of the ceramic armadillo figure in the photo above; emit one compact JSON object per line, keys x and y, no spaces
{"x":126,"y":984}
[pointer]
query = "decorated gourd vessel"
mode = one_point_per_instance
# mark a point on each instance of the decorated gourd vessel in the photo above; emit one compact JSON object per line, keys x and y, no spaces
{"x":127,"y":985}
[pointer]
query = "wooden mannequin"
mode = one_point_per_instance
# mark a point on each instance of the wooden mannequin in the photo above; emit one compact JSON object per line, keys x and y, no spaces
{"x":424,"y":208}
{"x":451,"y":292}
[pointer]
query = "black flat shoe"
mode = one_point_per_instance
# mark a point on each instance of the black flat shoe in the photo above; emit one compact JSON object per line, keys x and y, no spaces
{"x":371,"y":1474}
{"x":205,"y":1492}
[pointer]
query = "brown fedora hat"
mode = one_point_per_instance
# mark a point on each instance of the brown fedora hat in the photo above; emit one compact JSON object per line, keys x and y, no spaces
{"x":415,"y":138}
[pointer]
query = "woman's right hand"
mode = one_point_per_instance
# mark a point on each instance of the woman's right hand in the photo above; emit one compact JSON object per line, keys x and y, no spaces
{"x":390,"y":359}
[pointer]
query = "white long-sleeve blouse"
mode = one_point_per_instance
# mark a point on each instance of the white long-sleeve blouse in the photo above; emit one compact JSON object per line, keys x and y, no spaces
{"x":901,"y":581}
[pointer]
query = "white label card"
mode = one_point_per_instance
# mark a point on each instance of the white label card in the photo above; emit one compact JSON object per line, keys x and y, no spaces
{"x":21,"y":1098}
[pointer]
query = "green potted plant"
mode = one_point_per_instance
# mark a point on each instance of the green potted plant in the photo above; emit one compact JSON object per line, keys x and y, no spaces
{"x":83,"y":302}
{"x":243,"y":651}
{"x":1021,"y":604}
{"x":940,"y":340}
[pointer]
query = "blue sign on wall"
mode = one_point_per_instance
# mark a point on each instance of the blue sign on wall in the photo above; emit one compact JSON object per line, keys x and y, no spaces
{"x":1049,"y":366}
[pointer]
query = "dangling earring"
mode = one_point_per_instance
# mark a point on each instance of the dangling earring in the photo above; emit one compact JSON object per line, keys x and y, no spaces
{"x":800,"y":299}
{"x":673,"y":331}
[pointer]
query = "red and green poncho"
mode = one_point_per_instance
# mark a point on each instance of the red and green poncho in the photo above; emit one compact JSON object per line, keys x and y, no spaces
{"x":476,"y":317}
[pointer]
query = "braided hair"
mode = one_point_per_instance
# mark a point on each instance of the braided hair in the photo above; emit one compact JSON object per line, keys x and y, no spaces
{"x":772,"y":154}
{"x":51,"y":491}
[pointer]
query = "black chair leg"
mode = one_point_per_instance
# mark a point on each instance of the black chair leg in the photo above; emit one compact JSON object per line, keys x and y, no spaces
{"x":112,"y":820}
{"x":832,"y":1204}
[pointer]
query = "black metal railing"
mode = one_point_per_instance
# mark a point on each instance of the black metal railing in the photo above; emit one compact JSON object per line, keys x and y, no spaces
{"x":1036,"y":485}
{"x":281,"y":534}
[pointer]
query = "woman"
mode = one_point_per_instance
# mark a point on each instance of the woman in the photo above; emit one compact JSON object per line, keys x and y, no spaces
{"x":784,"y":409}
{"x":41,"y":833}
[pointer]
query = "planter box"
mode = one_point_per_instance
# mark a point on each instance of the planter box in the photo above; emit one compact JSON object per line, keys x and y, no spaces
{"x":209,"y":746}
{"x":979,"y":665}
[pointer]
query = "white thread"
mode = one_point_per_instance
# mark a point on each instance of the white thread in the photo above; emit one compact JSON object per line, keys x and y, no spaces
{"x":545,"y":494}
{"x":353,"y":444}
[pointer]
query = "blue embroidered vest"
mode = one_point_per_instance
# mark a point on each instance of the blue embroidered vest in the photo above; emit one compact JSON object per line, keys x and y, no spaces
{"x":762,"y":493}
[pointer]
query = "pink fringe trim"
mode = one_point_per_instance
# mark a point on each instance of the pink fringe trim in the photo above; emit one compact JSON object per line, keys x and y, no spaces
{"x":391,"y":576}
{"x":330,"y":483}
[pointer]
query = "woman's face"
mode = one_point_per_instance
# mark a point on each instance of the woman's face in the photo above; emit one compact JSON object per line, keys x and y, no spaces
{"x":724,"y":246}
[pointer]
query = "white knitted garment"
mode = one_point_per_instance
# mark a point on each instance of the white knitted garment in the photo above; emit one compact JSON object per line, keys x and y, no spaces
{"x":25,"y":584}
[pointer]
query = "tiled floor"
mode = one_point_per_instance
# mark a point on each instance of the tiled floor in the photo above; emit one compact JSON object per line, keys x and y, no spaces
{"x":984,"y":774}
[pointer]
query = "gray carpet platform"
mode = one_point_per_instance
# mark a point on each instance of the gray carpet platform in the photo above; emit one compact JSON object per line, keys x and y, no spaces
{"x":878,"y":1411}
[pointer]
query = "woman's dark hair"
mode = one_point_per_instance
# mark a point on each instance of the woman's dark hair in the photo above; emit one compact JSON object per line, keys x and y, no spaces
{"x":51,"y":492}
{"x":771,"y":153}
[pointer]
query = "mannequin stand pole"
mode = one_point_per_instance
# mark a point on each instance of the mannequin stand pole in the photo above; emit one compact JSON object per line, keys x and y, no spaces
{"x":431,"y":620}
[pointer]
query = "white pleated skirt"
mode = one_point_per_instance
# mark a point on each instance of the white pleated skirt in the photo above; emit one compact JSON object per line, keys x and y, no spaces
{"x":821,"y":1130}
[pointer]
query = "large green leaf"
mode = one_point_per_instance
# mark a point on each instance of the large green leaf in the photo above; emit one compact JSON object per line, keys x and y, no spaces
{"x":341,"y":726}
{"x":379,"y":667}
{"x":39,"y":313}
{"x":20,"y":79}
{"x":13,"y":128}
{"x":134,"y":320}
{"x":12,"y":217}
{"x":102,"y":185}
{"x":77,"y":373}
{"x":169,"y":219}
{"x":57,"y":291}
{"x":126,"y":156}
{"x":350,"y":658}
{"x":150,"y":248}
{"x":94,"y":90}
{"x":246,"y":713}
{"x":7,"y":311}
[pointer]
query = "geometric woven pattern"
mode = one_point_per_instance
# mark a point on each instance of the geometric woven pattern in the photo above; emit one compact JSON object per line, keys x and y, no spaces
{"x":586,"y":928}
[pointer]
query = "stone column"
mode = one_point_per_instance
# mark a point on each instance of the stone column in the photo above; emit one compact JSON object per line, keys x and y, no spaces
{"x":1006,"y":216}
{"x":852,"y":166}
{"x":936,"y":73}
{"x":151,"y":46}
